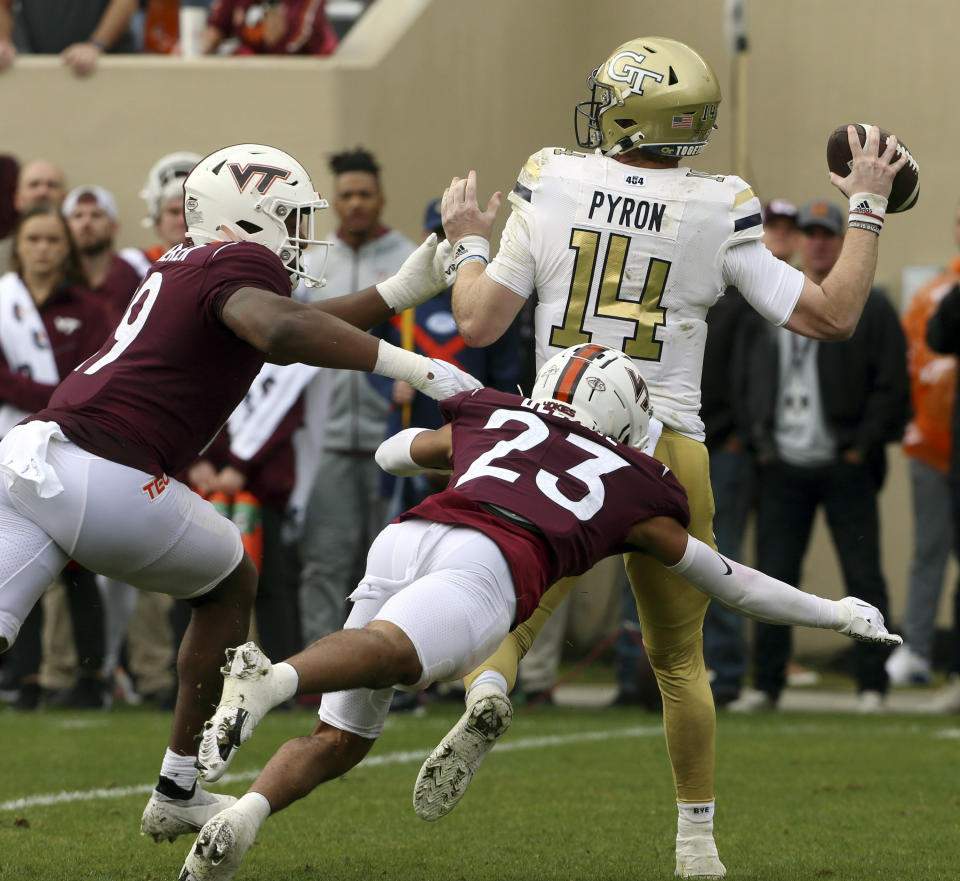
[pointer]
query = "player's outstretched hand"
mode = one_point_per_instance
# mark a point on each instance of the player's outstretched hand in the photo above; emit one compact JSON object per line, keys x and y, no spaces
{"x":445,"y":380}
{"x":461,"y":212}
{"x":424,"y":274}
{"x":861,"y":621}
{"x":872,"y":171}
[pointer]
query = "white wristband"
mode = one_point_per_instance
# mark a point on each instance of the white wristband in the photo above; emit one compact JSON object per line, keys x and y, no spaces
{"x":400,"y":364}
{"x":394,"y":457}
{"x":867,"y":211}
{"x":471,"y":248}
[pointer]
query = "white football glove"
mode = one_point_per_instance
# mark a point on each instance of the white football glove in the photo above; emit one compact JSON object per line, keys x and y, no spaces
{"x":424,"y":274}
{"x":447,"y":381}
{"x":861,"y":621}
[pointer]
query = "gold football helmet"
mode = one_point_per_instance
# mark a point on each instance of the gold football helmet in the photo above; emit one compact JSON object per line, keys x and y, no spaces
{"x":652,"y":94}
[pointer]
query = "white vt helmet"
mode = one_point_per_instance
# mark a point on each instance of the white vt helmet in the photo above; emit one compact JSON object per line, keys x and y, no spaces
{"x":600,"y":388}
{"x":164,"y":181}
{"x":260,"y":194}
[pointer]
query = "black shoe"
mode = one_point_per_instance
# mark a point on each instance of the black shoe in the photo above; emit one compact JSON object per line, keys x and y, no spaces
{"x":29,"y":697}
{"x":87,"y":693}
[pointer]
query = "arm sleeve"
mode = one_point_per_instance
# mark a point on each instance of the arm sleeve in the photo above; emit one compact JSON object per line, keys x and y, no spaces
{"x":393,"y":455}
{"x":771,"y":286}
{"x":752,"y":593}
{"x":514,"y":266}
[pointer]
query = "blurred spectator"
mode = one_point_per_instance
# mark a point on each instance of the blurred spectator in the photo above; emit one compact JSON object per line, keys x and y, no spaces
{"x":345,"y":511}
{"x":277,"y":27}
{"x":430,"y":329}
{"x":780,"y":228}
{"x":927,"y":443}
{"x":943,"y":335}
{"x":820,"y":415}
{"x":91,"y":213}
{"x":163,"y":195}
{"x":48,"y":324}
{"x":732,"y":471}
{"x":79,"y":32}
{"x":39,"y":182}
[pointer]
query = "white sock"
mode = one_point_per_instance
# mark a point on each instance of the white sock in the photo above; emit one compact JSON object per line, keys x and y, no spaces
{"x":181,"y":770}
{"x":253,"y":806}
{"x":487,"y":683}
{"x":286,"y":681}
{"x":695,"y":817}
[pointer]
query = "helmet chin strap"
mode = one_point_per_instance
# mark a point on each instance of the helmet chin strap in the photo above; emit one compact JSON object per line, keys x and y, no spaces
{"x":230,"y":234}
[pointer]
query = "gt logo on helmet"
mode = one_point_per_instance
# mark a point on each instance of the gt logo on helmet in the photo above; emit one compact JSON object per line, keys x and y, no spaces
{"x":621,"y":70}
{"x":243,"y":174}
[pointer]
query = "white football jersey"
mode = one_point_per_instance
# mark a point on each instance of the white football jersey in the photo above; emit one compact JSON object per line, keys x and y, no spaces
{"x":630,"y":258}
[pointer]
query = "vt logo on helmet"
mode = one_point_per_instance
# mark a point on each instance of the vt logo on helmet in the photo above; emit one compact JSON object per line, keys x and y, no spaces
{"x":260,"y":194}
{"x":243,"y":174}
{"x":600,"y":388}
{"x":652,"y":94}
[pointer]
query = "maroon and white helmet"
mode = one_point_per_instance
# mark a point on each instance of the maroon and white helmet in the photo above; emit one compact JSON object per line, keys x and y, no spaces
{"x":600,"y":388}
{"x":260,"y":194}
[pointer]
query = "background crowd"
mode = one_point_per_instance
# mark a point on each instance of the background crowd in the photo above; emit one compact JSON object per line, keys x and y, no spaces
{"x":792,"y":426}
{"x":81,"y":32}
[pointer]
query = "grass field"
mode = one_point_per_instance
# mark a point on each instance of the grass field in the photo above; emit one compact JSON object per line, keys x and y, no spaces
{"x":567,"y":794}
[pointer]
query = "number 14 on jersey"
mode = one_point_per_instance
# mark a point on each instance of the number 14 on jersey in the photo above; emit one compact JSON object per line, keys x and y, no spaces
{"x":642,"y":316}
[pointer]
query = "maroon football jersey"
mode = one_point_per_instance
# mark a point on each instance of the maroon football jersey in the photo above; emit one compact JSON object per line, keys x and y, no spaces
{"x":171,"y":373}
{"x":581,"y":490}
{"x":117,"y":288}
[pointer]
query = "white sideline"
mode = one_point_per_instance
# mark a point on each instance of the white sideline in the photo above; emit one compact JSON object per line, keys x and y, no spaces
{"x":394,"y":758}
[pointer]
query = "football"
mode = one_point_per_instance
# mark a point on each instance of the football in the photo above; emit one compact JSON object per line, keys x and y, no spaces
{"x":906,"y":185}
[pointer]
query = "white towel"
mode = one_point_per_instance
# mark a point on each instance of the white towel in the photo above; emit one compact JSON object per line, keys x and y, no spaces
{"x":271,"y":395}
{"x":23,"y":457}
{"x":24,"y":342}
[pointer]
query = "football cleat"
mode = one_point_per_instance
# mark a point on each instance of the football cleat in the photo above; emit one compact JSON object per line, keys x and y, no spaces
{"x":165,"y":818}
{"x":219,"y":848}
{"x":247,"y":696}
{"x":697,"y":855}
{"x":446,"y":774}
